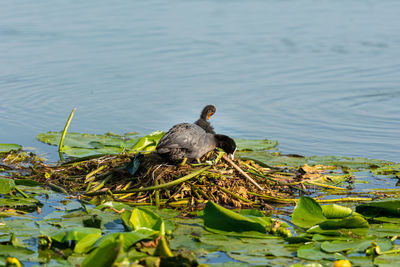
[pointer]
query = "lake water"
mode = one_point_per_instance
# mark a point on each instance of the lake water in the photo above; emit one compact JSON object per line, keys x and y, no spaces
{"x":321,"y":77}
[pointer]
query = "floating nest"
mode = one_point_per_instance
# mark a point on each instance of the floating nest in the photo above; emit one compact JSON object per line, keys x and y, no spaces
{"x":145,"y":179}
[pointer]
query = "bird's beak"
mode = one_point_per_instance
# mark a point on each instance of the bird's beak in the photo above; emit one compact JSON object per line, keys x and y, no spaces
{"x":231,"y":156}
{"x":209,"y":115}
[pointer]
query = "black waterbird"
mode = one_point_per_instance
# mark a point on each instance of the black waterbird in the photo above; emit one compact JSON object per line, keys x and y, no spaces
{"x":190,"y":141}
{"x":205,"y":115}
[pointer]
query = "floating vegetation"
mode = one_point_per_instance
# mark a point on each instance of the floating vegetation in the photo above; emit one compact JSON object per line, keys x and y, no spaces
{"x":144,"y":179}
{"x":117,"y":203}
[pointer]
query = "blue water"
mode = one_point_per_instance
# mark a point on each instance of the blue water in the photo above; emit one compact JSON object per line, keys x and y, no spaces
{"x":321,"y":77}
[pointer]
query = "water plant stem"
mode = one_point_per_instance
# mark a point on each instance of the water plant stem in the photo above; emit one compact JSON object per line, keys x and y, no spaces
{"x":155,"y":187}
{"x":102,"y":183}
{"x":90,"y":174}
{"x":325,"y":185}
{"x":64,"y":132}
{"x":345,"y":199}
{"x":21,"y":192}
{"x":57,"y":188}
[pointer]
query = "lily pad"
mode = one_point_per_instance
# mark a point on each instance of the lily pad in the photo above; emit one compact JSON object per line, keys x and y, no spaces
{"x":335,"y":211}
{"x":75,"y":234}
{"x":83,"y":145}
{"x":28,"y":204}
{"x":105,"y":255}
{"x":130,"y":238}
{"x":355,"y":245}
{"x":6,"y":185}
{"x":350,"y":222}
{"x":141,"y":218}
{"x":313,"y":251}
{"x":380,"y":208}
{"x":148,"y":142}
{"x":307,"y":213}
{"x":254,"y":145}
{"x":219,"y":218}
{"x":5,"y":148}
{"x":387,"y":260}
{"x":81,"y":140}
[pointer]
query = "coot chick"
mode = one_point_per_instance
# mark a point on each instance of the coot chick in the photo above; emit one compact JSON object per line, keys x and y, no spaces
{"x":205,"y":115}
{"x":190,"y":141}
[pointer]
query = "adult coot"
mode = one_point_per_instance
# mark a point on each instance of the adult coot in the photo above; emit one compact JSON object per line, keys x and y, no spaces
{"x":190,"y":141}
{"x":205,"y":115}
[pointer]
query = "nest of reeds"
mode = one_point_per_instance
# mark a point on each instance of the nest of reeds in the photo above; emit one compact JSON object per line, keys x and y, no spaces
{"x":238,"y":183}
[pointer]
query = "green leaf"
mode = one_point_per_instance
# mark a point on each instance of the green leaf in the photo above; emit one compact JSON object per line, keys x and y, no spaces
{"x":387,"y":260}
{"x":27,"y":182}
{"x":85,"y":243}
{"x":254,"y":145}
{"x":28,"y":204}
{"x":307,"y":213}
{"x":130,"y":238}
{"x":76,"y":234}
{"x":80,"y":140}
{"x":18,"y":252}
{"x":384,"y":230}
{"x":114,"y":205}
{"x":6,"y":185}
{"x":5,"y":148}
{"x":380,"y":208}
{"x":312,"y":251}
{"x":78,"y":152}
{"x":341,"y":232}
{"x":106,"y":255}
{"x":140,"y":218}
{"x":355,"y":245}
{"x":219,"y":218}
{"x":354,"y":221}
{"x":148,"y":142}
{"x":335,"y":211}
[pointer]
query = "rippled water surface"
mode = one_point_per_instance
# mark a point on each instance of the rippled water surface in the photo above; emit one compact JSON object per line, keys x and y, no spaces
{"x":321,"y":77}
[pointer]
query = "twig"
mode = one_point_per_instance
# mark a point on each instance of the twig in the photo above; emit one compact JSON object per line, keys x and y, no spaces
{"x":225,"y":157}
